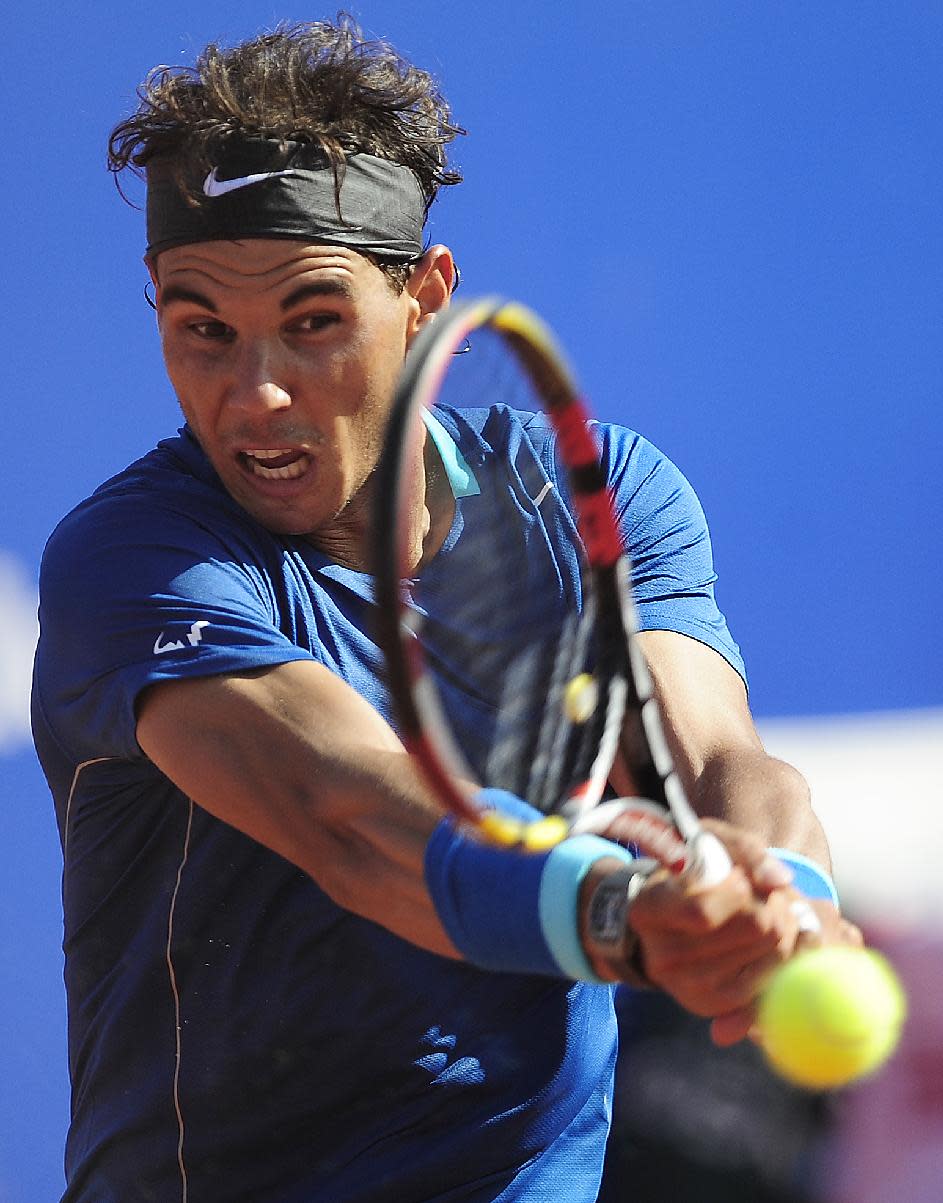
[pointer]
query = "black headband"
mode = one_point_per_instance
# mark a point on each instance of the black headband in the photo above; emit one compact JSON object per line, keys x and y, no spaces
{"x":264,"y":188}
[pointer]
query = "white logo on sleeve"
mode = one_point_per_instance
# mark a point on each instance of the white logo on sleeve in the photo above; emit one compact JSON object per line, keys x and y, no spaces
{"x":194,"y":636}
{"x":212,"y":186}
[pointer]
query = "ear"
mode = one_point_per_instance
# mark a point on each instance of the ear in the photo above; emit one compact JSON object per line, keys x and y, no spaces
{"x":429,"y":287}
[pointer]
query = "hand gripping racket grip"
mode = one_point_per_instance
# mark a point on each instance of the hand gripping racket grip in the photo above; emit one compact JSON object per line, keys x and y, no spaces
{"x":709,"y":863}
{"x":701,"y":856}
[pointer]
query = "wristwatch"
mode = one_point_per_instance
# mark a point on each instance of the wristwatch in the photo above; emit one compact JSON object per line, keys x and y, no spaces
{"x":607,"y":919}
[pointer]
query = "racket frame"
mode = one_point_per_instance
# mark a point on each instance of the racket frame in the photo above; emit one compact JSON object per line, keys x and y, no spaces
{"x":630,"y":694}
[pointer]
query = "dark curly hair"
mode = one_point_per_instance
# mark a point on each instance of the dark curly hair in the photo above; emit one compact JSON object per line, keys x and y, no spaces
{"x":321,"y":82}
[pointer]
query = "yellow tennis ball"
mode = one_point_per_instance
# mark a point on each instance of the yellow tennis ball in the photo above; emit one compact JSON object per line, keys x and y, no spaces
{"x":831,"y":1015}
{"x":580,"y":697}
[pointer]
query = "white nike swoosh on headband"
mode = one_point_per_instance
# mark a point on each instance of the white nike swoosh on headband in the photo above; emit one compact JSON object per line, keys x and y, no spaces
{"x":216,"y":187}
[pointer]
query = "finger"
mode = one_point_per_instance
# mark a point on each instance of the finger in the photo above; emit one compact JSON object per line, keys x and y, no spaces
{"x":764,"y":870}
{"x":726,"y":916}
{"x":718,"y":985}
{"x":744,"y":938}
{"x":840,"y":931}
{"x":670,"y":903}
{"x":832,"y":927}
{"x":733,"y":1026}
{"x":739,"y":984}
{"x":849,"y":933}
{"x":836,"y":929}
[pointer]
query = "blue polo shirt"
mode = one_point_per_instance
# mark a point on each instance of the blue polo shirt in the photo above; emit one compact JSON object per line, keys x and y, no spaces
{"x":233,"y":1033}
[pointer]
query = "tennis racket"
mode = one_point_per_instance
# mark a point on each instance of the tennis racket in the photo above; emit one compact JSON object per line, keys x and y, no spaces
{"x":512,"y":654}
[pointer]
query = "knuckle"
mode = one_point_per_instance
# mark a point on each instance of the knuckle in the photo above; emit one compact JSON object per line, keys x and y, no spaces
{"x":743,"y":845}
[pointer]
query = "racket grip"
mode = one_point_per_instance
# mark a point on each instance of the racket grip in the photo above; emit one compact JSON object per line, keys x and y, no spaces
{"x":708,"y":860}
{"x":806,"y":917}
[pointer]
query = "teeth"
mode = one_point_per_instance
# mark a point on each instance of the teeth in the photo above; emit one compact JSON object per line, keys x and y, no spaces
{"x":290,"y":471}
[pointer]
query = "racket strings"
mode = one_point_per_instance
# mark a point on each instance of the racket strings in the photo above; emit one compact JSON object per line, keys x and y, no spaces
{"x":546,"y":786}
{"x":524,"y":677}
{"x":508,"y":629}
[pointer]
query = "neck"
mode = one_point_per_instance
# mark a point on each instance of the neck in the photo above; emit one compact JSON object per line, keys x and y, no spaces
{"x":346,"y":541}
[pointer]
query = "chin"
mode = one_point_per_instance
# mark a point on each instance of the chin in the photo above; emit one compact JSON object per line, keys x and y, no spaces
{"x":284,"y":519}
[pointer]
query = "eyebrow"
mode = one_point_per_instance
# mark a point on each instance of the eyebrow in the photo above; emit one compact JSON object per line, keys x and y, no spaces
{"x":177,"y":292}
{"x":323,"y":288}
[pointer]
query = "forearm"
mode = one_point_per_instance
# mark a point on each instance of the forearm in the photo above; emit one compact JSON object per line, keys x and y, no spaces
{"x":718,"y":752}
{"x":369,"y":857}
{"x":747,"y":787}
{"x":713,"y":947}
{"x":298,"y":761}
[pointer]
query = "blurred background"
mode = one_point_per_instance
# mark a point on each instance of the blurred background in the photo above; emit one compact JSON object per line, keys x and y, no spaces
{"x":731,"y":212}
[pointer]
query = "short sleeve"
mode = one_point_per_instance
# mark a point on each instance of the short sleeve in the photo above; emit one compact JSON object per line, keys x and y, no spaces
{"x":668,"y":541}
{"x":133,"y":593}
{"x":663,"y":525}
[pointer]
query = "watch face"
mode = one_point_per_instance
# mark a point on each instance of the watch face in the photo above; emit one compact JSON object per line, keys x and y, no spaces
{"x":607,"y":909}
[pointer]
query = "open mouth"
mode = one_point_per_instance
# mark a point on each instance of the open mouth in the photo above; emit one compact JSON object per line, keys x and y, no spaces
{"x":281,"y":464}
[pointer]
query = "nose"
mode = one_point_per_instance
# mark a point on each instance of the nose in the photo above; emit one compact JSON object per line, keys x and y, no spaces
{"x":260,"y":381}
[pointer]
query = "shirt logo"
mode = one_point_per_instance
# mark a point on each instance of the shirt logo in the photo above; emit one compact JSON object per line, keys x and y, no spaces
{"x":216,"y":187}
{"x":193,"y":638}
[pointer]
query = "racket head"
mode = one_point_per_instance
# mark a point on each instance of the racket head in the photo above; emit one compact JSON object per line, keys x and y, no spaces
{"x":548,"y":670}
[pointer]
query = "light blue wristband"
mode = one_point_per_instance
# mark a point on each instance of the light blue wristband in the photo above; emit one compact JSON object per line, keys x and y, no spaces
{"x":558,"y":903}
{"x":808,"y":878}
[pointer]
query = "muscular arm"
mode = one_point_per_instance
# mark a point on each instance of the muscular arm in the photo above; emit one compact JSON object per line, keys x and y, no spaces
{"x":719,"y":755}
{"x":296,"y":759}
{"x":713,"y":948}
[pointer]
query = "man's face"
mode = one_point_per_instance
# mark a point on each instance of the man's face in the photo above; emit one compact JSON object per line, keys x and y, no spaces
{"x":284,"y":357}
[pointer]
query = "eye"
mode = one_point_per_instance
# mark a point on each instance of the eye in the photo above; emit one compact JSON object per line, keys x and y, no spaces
{"x":314,"y":323}
{"x":210,"y":329}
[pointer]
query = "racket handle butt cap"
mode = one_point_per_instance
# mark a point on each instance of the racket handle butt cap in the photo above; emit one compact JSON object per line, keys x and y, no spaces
{"x":708,"y":862}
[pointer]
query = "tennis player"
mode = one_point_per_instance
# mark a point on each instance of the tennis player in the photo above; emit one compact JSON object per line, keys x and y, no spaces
{"x":289,"y":979}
